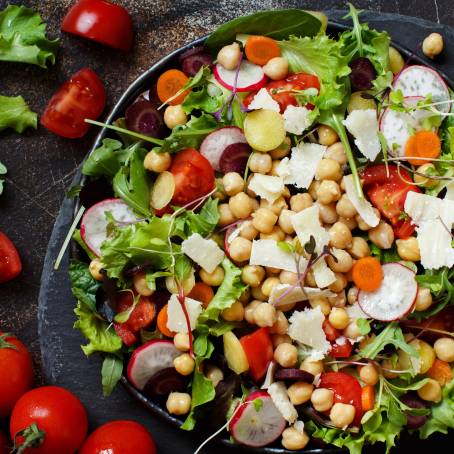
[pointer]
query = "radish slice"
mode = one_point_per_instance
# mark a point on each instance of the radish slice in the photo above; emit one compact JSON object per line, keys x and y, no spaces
{"x":93,"y":227}
{"x":235,"y":158}
{"x":395,"y":297}
{"x":149,"y":359}
{"x":163,"y":190}
{"x":215,"y":144}
{"x":257,"y":426}
{"x":420,"y":80}
{"x":250,"y":78}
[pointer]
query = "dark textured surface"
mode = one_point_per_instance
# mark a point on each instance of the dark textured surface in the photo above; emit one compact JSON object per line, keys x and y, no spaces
{"x":41,"y":165}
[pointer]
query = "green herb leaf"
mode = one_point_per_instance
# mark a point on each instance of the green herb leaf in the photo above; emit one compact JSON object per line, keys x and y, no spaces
{"x":111,"y":371}
{"x":258,"y":404}
{"x":203,"y":222}
{"x":15,"y":113}
{"x":286,"y":247}
{"x":73,"y":191}
{"x":363,"y":326}
{"x":83,"y":285}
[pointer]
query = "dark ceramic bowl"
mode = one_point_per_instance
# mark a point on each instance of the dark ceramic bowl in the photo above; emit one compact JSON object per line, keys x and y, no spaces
{"x":141,"y":84}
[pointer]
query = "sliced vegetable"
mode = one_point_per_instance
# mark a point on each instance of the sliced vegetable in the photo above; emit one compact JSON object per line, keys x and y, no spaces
{"x":162,"y":322}
{"x":163,"y":190}
{"x":261,"y":49}
{"x":264,"y":129}
{"x":293,"y":375}
{"x":165,"y":381}
{"x":423,"y":144}
{"x":142,"y":117}
{"x":341,"y":350}
{"x":202,"y":292}
{"x":363,"y":74}
{"x":10,"y":262}
{"x":367,"y":398}
{"x":169,"y":84}
{"x":440,"y":371}
{"x":367,"y":274}
{"x":193,"y":59}
{"x":259,"y":352}
{"x":234,"y":353}
{"x":413,"y":401}
{"x":235,"y":158}
{"x":250,"y":77}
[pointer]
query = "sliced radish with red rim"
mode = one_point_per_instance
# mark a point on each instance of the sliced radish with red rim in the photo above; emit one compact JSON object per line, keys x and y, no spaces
{"x":250,"y":77}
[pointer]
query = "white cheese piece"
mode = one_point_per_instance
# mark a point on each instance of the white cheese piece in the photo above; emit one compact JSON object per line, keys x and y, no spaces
{"x":283,"y":169}
{"x":299,"y":426}
{"x":363,"y":125}
{"x":263,"y":100}
{"x":294,"y":294}
{"x":307,"y":223}
{"x":354,"y":312}
{"x":296,"y":119}
{"x":362,"y":206}
{"x":323,"y":274}
{"x":449,"y":191}
{"x":422,"y":207}
{"x":268,"y":253}
{"x":306,"y":328}
{"x":205,"y":253}
{"x":279,"y":396}
{"x":269,"y":377}
{"x":176,"y":320}
{"x":267,"y":187}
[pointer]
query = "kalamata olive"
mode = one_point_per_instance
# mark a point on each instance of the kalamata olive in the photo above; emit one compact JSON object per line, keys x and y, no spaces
{"x":234,"y":158}
{"x":142,"y":117}
{"x":363,"y":74}
{"x":164,"y":382}
{"x":293,"y":375}
{"x":413,"y":401}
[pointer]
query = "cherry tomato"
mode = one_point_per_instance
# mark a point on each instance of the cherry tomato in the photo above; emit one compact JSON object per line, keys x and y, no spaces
{"x":119,"y":437}
{"x":282,"y":90}
{"x":194,"y":176}
{"x":388,"y":194}
{"x":331,"y":333}
{"x":16,"y":377}
{"x":56,"y":412}
{"x":100,"y":21}
{"x":259,"y":351}
{"x":4,"y":444}
{"x":82,"y":96}
{"x":347,"y":390}
{"x":10,"y":263}
{"x":341,"y":350}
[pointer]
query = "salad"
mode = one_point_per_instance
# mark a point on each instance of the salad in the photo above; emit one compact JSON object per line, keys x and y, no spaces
{"x":268,"y":238}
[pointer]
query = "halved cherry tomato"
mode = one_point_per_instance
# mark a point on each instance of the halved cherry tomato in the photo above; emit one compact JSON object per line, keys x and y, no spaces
{"x":10,"y":263}
{"x":388,"y":194}
{"x":347,"y":390}
{"x":331,"y":333}
{"x":259,"y":351}
{"x":282,"y":90}
{"x":100,"y":21}
{"x":82,"y":96}
{"x":341,"y":350}
{"x":194,"y":176}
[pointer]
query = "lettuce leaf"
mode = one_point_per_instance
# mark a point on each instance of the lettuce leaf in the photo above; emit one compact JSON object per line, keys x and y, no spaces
{"x":203,"y":222}
{"x":15,"y":114}
{"x":83,"y":286}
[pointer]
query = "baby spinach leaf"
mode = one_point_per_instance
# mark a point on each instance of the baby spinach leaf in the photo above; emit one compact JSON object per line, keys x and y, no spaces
{"x":83,"y":285}
{"x":15,"y":114}
{"x":111,"y":371}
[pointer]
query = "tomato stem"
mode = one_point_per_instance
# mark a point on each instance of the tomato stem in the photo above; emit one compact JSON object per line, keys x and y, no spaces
{"x":33,"y":438}
{"x":5,"y":344}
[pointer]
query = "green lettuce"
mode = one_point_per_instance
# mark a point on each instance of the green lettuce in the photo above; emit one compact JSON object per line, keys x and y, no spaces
{"x":204,"y":222}
{"x":15,"y":114}
{"x":83,"y":285}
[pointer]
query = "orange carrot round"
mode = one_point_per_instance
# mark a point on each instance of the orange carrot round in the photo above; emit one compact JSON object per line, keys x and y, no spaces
{"x":261,"y":49}
{"x":368,"y":397}
{"x":367,"y":274}
{"x":422,"y":144}
{"x":202,"y":292}
{"x":440,"y":371}
{"x":162,"y":322}
{"x":169,"y":84}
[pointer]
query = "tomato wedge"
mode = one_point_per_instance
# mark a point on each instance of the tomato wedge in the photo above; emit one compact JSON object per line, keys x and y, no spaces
{"x":10,"y":262}
{"x":341,"y":350}
{"x":331,"y":333}
{"x":259,"y":351}
{"x":347,"y":390}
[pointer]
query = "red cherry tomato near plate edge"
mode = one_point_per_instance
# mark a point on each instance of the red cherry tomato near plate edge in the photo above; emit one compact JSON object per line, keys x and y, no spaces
{"x":100,"y":21}
{"x":10,"y":263}
{"x":82,"y":96}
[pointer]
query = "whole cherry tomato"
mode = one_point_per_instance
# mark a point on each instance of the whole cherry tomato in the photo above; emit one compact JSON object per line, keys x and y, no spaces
{"x":10,"y":263}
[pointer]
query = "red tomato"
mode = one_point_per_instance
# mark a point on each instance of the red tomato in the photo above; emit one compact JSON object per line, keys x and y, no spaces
{"x":56,"y":412}
{"x":100,"y":21}
{"x":347,"y":390}
{"x":119,"y":437}
{"x":341,"y":350}
{"x":388,"y":194}
{"x":82,"y":96}
{"x":331,"y":333}
{"x":259,"y":351}
{"x":16,"y":360}
{"x":10,"y":263}
{"x":4,"y":444}
{"x":281,"y":90}
{"x":194,"y":176}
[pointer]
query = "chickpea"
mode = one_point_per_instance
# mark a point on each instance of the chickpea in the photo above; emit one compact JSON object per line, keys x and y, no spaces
{"x":233,"y":183}
{"x":245,"y":297}
{"x":229,"y":56}
{"x":219,"y":194}
{"x":293,"y":439}
{"x":181,"y":341}
{"x":157,"y":162}
{"x":327,"y":213}
{"x":352,"y":295}
{"x":432,"y":45}
{"x":254,"y":203}
{"x":240,"y":205}
{"x":342,"y":414}
{"x":276,"y":207}
{"x":328,"y":191}
{"x":226,"y":216}
{"x":249,"y":311}
{"x":178,"y":403}
{"x":95,"y":269}
{"x":140,"y":284}
{"x":184,"y":364}
{"x":382,"y":235}
{"x":300,"y":392}
{"x":369,"y":374}
{"x":322,"y":399}
{"x":339,"y":318}
{"x":444,"y":349}
{"x":352,"y":330}
{"x":321,"y":301}
{"x":281,"y":324}
{"x":313,"y":188}
{"x":425,"y":181}
{"x":285,"y":221}
{"x":299,"y":202}
{"x":345,"y":208}
{"x":235,"y":313}
{"x":264,"y":220}
{"x":175,"y":116}
{"x":311,"y":366}
{"x":274,"y":167}
{"x":278,"y":339}
{"x":276,"y":68}
{"x":240,"y":249}
{"x":423,"y":299}
{"x":282,"y":150}
{"x":257,"y":294}
{"x":362,"y":225}
{"x":349,"y":222}
{"x":396,"y":62}
{"x":408,"y":249}
{"x":344,"y":261}
{"x":387,"y":365}
{"x":340,"y":300}
{"x":265,"y":315}
{"x":337,"y":153}
{"x":215,"y":278}
{"x":248,"y":231}
{"x":340,"y":236}
{"x":253,"y":275}
{"x":286,"y":355}
{"x":327,"y":136}
{"x":268,"y":285}
{"x":328,"y":169}
{"x":276,"y":234}
{"x":431,"y":391}
{"x":339,"y":284}
{"x":188,"y":283}
{"x":260,"y":163}
{"x":288,"y":277}
{"x":359,"y":248}
{"x":214,"y":374}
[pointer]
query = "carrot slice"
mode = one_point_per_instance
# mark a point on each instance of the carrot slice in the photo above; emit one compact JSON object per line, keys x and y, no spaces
{"x":422,"y":144}
{"x":261,"y":49}
{"x":440,"y":371}
{"x":368,"y":397}
{"x":162,"y":322}
{"x":169,"y":84}
{"x":202,"y":292}
{"x":367,"y":274}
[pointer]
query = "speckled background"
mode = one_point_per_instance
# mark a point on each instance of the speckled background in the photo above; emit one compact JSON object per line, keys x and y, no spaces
{"x":42,"y":165}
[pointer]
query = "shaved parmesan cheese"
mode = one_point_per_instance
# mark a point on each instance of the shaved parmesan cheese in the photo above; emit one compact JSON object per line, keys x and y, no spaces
{"x":362,"y":206}
{"x":450,"y":191}
{"x":294,"y":294}
{"x":422,"y":207}
{"x":263,"y":100}
{"x":269,"y":377}
{"x":323,"y":274}
{"x":363,"y":125}
{"x":176,"y":320}
{"x":205,"y":253}
{"x":267,"y":187}
{"x":307,"y":223}
{"x":296,"y":119}
{"x":279,"y":396}
{"x":283,"y":169}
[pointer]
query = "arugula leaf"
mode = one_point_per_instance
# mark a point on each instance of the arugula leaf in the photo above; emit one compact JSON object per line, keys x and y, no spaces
{"x":15,"y":113}
{"x":363,"y":325}
{"x":3,"y":171}
{"x":111,"y":371}
{"x":23,"y":37}
{"x":203,"y":222}
{"x":83,"y":285}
